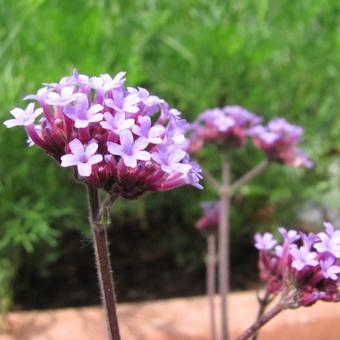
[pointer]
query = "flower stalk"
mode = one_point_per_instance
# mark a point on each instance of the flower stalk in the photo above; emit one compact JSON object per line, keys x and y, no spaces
{"x":253,"y":329}
{"x":249,"y":175}
{"x":99,"y":224}
{"x":211,"y":281}
{"x":263,"y":303}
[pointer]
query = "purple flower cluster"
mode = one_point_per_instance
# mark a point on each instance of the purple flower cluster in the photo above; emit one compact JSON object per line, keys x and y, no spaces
{"x":307,"y":263}
{"x":226,"y":126}
{"x":210,"y":218}
{"x":231,"y":125}
{"x":118,"y":138}
{"x":279,"y":140}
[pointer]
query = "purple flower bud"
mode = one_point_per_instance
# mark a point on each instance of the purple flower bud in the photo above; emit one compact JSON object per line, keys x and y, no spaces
{"x":209,"y":220}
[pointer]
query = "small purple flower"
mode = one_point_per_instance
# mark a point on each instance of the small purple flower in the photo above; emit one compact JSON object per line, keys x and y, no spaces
{"x":106,"y":83}
{"x":223,"y":123}
{"x":329,"y":269}
{"x":150,"y":103}
{"x":122,"y":103}
{"x":170,"y":159}
{"x":329,"y":241}
{"x":289,"y":235}
{"x":82,"y":113}
{"x":302,"y":257}
{"x":152,"y":134}
{"x":131,"y":151}
{"x":210,"y":218}
{"x":66,"y":96}
{"x":40,"y":95}
{"x":175,"y":131}
{"x":23,"y":117}
{"x":301,"y":160}
{"x":309,"y":240}
{"x":265,"y":241}
{"x":194,"y":175}
{"x":282,"y":127}
{"x":116,"y":123}
{"x":81,"y":156}
{"x":241,"y":116}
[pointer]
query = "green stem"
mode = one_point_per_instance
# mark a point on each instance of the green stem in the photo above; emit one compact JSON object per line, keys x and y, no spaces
{"x":248,"y":176}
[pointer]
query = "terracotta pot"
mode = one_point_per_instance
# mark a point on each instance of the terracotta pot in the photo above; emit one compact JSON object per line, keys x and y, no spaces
{"x":180,"y":319}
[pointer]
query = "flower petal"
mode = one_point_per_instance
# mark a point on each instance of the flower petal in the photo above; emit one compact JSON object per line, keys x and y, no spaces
{"x":84,"y":169}
{"x":68,"y":160}
{"x":140,"y":144}
{"x":91,"y":149}
{"x":114,"y":148}
{"x":130,"y":161}
{"x":76,"y":147}
{"x":95,"y":159}
{"x":143,"y":155}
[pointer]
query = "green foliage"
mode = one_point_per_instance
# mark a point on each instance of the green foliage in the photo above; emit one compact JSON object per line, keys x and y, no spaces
{"x":275,"y":58}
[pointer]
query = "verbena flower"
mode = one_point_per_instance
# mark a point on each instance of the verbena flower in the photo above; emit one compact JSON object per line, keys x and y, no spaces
{"x":118,"y":138}
{"x":265,"y":241}
{"x":308,"y":265}
{"x":210,"y":218}
{"x":82,"y":156}
{"x":280,"y":140}
{"x":227,"y":127}
{"x":302,"y":257}
{"x":23,"y":117}
{"x":329,"y":241}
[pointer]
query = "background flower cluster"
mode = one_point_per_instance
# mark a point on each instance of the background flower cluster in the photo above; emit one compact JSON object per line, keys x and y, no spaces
{"x":231,"y":125}
{"x":306,"y":263}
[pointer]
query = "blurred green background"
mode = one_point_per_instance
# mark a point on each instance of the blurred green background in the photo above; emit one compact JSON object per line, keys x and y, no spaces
{"x":275,"y":58}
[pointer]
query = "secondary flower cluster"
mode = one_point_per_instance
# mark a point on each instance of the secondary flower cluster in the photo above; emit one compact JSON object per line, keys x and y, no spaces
{"x":279,"y":140}
{"x":119,"y":138}
{"x":231,"y":125}
{"x":210,"y":218}
{"x":306,"y":263}
{"x":225,"y":126}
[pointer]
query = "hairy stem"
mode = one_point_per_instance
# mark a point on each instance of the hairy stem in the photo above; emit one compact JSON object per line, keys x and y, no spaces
{"x":99,"y":226}
{"x":213,"y":182}
{"x":263,"y":303}
{"x":211,"y":281}
{"x":224,"y":246}
{"x":261,"y":321}
{"x":249,"y":176}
